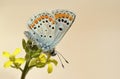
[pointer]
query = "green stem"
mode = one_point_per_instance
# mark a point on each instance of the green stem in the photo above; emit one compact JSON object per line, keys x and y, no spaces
{"x":25,"y":70}
{"x":20,"y":69}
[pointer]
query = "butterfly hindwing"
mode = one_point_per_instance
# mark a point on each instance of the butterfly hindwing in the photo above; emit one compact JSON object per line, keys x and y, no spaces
{"x":64,"y":20}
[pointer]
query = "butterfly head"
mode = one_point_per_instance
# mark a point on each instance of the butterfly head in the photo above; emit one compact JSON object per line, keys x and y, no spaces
{"x":51,"y":52}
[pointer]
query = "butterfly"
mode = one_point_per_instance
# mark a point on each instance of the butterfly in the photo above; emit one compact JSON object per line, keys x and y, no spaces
{"x":47,"y":29}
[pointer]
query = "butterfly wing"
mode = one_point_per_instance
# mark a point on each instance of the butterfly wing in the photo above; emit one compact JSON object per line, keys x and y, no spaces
{"x":42,"y":26}
{"x":64,"y":20}
{"x":46,"y":30}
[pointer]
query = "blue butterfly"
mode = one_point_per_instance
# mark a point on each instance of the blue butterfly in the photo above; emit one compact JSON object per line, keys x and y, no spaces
{"x":46,"y":30}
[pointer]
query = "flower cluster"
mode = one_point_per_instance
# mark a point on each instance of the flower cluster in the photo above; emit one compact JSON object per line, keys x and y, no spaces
{"x":34,"y":57}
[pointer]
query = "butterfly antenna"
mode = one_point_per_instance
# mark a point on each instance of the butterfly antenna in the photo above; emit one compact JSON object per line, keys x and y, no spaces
{"x":62,"y":57}
{"x":60,"y":61}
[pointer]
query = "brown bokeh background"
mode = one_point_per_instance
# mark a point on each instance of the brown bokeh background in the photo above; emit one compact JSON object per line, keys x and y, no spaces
{"x":92,"y":45}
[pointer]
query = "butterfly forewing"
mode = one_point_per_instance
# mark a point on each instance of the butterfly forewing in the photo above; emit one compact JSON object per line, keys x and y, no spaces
{"x":43,"y":25}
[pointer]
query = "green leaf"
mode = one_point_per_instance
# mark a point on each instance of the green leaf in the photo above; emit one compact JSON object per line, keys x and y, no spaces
{"x":24,"y":44}
{"x":33,"y":62}
{"x":39,"y":51}
{"x":34,"y":47}
{"x":50,"y":68}
{"x":27,"y":57}
{"x":40,"y":65}
{"x":36,"y":53}
{"x":29,"y":42}
{"x":27,"y":50}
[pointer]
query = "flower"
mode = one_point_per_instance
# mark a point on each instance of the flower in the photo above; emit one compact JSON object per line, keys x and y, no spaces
{"x":13,"y":61}
{"x":47,"y":60}
{"x":42,"y":58}
{"x":50,"y":66}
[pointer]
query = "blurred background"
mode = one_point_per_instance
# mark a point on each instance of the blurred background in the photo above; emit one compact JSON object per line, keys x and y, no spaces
{"x":92,"y":45}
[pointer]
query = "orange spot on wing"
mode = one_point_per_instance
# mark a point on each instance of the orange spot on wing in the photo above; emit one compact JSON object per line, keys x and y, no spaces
{"x":35,"y":21}
{"x":32,"y":25}
{"x":42,"y":17}
{"x":70,"y":18}
{"x":56,"y":16}
{"x":67,"y":15}
{"x":46,"y":16}
{"x":63,"y":15}
{"x":60,"y":15}
{"x":39,"y":18}
{"x":50,"y":19}
{"x":53,"y":22}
